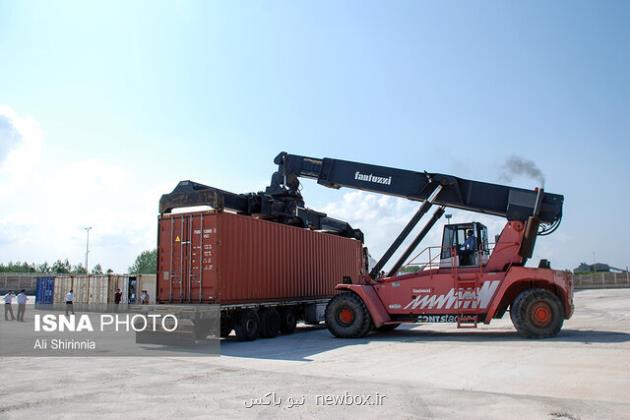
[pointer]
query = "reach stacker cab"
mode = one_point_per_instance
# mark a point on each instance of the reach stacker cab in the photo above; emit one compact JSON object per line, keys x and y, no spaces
{"x":454,"y":245}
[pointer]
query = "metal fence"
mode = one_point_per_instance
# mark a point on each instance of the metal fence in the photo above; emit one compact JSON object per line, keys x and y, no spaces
{"x":601,"y":280}
{"x":19,"y":281}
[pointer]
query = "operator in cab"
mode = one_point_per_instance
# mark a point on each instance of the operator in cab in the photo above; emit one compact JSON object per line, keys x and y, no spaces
{"x":468,"y":249}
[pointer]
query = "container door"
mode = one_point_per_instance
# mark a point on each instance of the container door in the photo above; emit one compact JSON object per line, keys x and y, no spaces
{"x":81,"y":288}
{"x":185,"y":263}
{"x":201,"y":248}
{"x":50,"y":289}
{"x":39,"y":290}
{"x":174,"y":267}
{"x":168,"y":270}
{"x":194,"y":267}
{"x":44,"y":290}
{"x":99,"y":285}
{"x":181,"y":258}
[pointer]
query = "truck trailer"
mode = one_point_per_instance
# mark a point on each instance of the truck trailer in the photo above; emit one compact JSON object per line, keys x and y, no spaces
{"x":265,"y":275}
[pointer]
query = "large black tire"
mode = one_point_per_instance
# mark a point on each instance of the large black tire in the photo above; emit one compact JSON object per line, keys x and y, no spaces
{"x":226,"y":326}
{"x":537,"y":313}
{"x":247,"y":326}
{"x":269,"y":323}
{"x":514,"y":310}
{"x":288,"y":320}
{"x":388,"y":327}
{"x":347,"y":316}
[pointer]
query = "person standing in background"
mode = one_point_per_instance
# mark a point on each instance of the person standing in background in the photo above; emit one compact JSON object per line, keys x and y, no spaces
{"x":117,"y":296}
{"x":144,"y":298}
{"x":69,"y":300}
{"x":21,"y":301}
{"x":117,"y":299}
{"x":8,"y":299}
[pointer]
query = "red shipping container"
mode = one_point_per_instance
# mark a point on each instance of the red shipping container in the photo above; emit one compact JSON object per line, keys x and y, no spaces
{"x":231,"y":259}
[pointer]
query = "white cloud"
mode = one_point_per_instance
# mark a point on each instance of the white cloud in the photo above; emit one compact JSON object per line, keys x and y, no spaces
{"x":46,"y":205}
{"x":20,"y":143}
{"x":9,"y":136}
{"x":379,"y":217}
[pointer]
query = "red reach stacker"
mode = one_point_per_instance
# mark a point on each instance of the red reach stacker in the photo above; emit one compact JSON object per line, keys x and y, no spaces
{"x":466,"y":280}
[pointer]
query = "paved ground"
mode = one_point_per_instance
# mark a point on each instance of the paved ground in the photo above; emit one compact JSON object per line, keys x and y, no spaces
{"x":428,"y":371}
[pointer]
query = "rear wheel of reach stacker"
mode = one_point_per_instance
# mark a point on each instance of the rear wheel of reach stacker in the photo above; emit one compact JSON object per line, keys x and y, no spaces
{"x":347,"y":316}
{"x":247,"y":325}
{"x":537,"y":313}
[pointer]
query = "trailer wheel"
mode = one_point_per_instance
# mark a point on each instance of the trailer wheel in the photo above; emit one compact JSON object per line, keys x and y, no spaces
{"x":269,"y":323}
{"x":247,"y":326}
{"x":537,"y":313}
{"x":288,"y":320}
{"x":347,"y":316}
{"x":226,"y":326}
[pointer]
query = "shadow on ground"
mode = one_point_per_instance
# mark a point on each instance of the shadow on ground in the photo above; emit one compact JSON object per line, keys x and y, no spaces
{"x":310,"y":341}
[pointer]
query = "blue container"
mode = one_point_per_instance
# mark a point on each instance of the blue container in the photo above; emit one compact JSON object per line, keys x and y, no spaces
{"x":44,"y":290}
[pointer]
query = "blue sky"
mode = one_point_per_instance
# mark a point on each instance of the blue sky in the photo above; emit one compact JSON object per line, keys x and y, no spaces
{"x":116,"y":102}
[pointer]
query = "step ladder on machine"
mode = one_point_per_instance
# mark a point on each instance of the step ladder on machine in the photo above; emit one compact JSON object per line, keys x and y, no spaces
{"x":466,"y":292}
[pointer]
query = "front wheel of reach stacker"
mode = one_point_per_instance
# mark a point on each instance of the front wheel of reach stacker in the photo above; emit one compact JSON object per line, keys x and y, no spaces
{"x":347,"y":316}
{"x":247,"y":325}
{"x":537,"y":313}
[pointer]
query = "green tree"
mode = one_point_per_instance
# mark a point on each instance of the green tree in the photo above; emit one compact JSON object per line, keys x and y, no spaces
{"x":43,"y":268}
{"x":78,"y":269}
{"x":27,"y":268}
{"x":110,"y":271}
{"x":97,"y":269}
{"x":17,"y":267}
{"x":146,"y":263}
{"x":61,"y":267}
